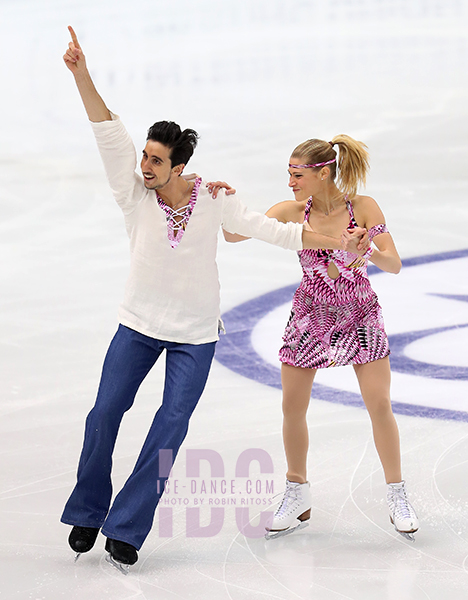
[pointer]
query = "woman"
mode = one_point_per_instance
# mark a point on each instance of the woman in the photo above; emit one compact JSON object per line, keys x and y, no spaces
{"x":336,"y":318}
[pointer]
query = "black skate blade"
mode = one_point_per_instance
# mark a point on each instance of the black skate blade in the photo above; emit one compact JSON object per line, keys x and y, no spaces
{"x":77,"y":556}
{"x":124,"y":569}
{"x":272,"y":535}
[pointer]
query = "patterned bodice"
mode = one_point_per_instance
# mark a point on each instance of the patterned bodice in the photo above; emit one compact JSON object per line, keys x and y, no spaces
{"x":316,"y":262}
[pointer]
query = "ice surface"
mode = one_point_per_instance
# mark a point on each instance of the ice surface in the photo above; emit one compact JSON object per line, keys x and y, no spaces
{"x":255,"y":79}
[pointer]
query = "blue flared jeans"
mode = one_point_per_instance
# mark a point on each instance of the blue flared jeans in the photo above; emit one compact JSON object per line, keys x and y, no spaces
{"x":130,"y":357}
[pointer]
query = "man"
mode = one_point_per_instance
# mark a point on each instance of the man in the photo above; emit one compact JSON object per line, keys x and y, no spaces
{"x":171,"y":303}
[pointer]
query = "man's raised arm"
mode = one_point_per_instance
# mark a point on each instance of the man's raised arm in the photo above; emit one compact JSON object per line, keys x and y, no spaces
{"x":75,"y":60}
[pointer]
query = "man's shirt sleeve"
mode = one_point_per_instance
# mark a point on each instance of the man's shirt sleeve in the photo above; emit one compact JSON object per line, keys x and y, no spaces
{"x":238,"y":219}
{"x":119,"y":157}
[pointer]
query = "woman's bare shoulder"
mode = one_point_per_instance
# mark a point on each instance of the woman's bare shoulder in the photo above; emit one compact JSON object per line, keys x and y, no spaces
{"x":367,"y":211}
{"x":363,"y":202}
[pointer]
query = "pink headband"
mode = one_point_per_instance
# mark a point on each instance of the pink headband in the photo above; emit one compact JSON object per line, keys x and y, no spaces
{"x":322,"y":164}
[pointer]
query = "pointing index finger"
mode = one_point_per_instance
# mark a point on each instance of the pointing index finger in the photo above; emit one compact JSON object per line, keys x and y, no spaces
{"x":73,"y":37}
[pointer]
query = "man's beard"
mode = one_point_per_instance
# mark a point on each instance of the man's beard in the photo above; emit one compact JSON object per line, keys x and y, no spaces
{"x":158,"y":186}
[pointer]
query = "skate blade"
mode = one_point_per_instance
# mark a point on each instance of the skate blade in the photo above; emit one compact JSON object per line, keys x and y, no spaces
{"x":77,"y":556}
{"x":124,"y":569}
{"x":272,"y":535}
{"x":406,"y":535}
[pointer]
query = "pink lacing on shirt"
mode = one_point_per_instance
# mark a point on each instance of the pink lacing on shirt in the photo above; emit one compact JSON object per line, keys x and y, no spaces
{"x":177,"y":220}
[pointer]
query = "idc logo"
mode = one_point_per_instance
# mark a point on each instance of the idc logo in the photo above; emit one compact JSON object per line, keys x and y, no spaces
{"x":425,"y":309}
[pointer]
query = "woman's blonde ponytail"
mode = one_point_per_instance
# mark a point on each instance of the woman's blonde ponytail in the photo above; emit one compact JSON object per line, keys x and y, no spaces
{"x":353,"y":164}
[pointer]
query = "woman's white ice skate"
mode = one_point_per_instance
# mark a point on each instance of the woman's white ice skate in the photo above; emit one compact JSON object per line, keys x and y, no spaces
{"x":293,"y":511}
{"x":402,"y":514}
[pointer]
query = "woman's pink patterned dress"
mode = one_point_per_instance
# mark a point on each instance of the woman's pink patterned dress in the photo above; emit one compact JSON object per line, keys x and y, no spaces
{"x":334,"y":322}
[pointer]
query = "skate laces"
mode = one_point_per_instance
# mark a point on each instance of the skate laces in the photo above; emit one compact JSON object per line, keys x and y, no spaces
{"x":401,"y":506}
{"x":291,"y":496}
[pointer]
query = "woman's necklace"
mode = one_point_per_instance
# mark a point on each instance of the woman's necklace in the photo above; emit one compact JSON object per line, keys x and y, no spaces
{"x":327,"y":212}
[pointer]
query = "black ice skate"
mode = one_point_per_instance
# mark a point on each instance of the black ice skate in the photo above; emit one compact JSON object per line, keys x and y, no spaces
{"x":121,"y":555}
{"x":82,"y":539}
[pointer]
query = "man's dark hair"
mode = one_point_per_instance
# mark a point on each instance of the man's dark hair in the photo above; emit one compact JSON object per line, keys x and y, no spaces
{"x":181,"y":143}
